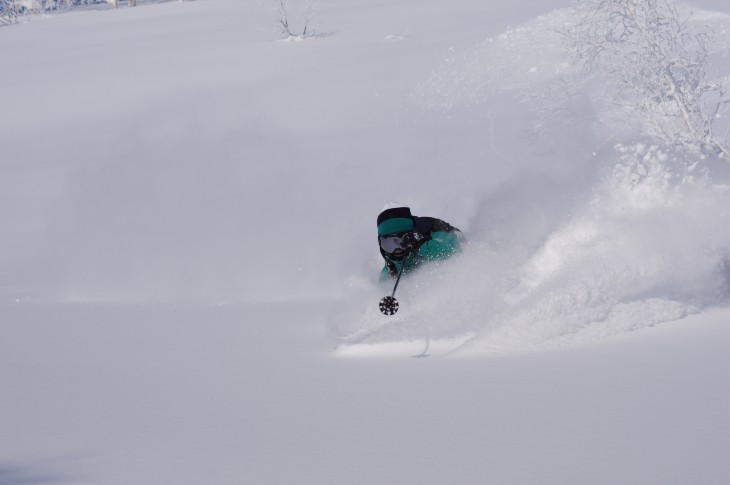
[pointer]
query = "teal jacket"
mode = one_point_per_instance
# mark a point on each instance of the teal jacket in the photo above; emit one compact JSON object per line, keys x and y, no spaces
{"x":440,"y":241}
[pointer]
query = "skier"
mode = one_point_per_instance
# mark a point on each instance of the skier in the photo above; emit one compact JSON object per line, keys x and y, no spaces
{"x":404,"y":237}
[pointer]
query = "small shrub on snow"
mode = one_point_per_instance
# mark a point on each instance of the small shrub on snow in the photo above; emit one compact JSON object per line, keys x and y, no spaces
{"x":293,"y":27}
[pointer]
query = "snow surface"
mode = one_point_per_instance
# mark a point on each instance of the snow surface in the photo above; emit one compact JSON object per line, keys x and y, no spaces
{"x":188,"y":266}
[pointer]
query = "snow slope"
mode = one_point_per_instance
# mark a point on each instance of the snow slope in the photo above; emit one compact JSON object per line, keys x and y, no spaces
{"x":250,"y":394}
{"x":188,"y":267}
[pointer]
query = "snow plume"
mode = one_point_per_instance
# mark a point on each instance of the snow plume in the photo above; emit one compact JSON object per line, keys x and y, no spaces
{"x":649,"y":247}
{"x":602,"y":238}
{"x":647,"y":244}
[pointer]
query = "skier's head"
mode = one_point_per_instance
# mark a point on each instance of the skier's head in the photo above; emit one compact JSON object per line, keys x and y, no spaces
{"x":392,"y":224}
{"x":396,"y":220}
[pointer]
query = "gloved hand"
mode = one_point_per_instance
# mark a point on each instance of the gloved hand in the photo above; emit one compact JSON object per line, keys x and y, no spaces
{"x":411,"y":241}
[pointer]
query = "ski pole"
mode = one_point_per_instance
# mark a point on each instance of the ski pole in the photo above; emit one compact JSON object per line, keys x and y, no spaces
{"x":388,"y":304}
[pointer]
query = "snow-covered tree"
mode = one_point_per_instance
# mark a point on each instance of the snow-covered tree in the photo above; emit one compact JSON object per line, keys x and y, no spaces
{"x":9,"y":10}
{"x":659,"y":63}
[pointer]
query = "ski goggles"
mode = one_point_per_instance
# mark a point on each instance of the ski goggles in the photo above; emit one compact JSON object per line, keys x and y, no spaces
{"x":390,"y":243}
